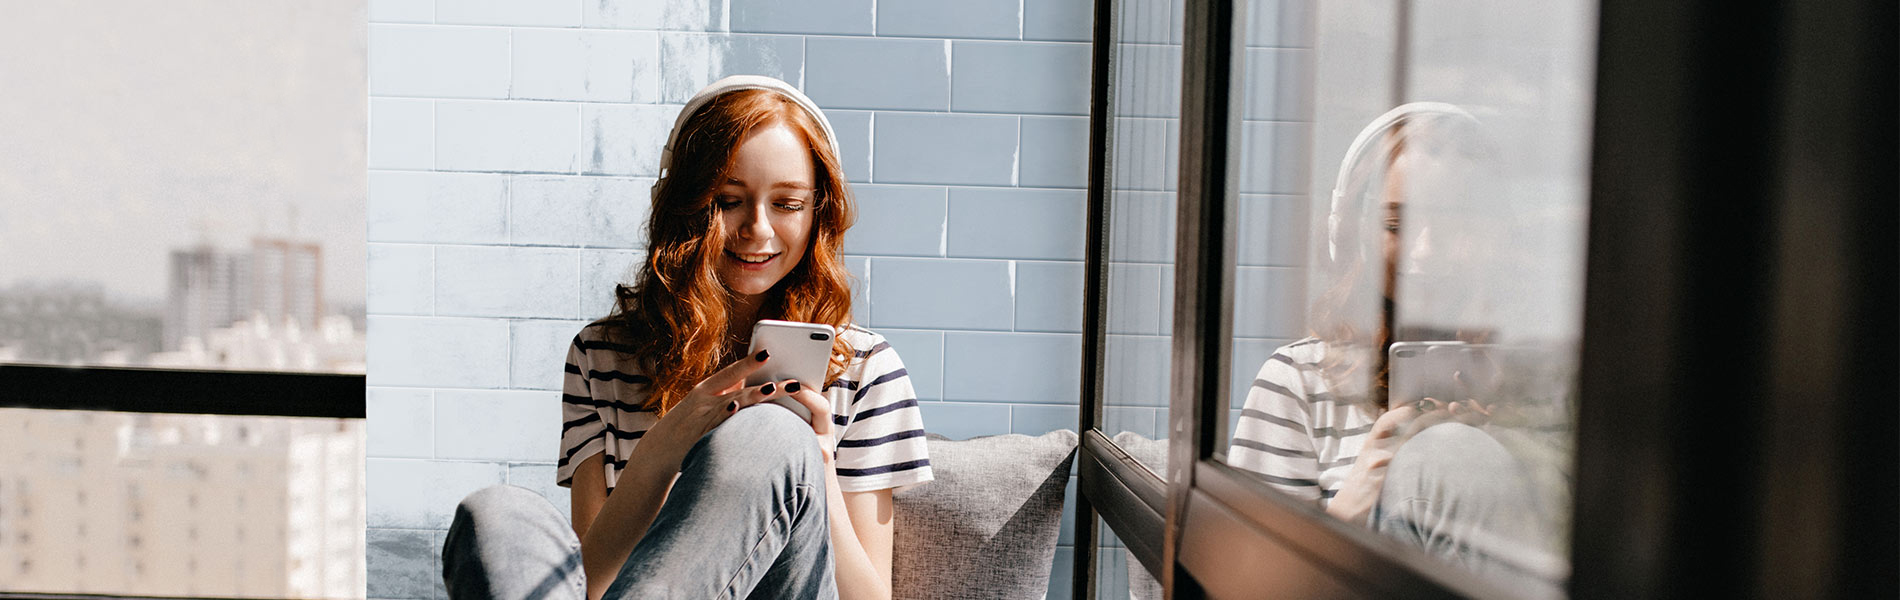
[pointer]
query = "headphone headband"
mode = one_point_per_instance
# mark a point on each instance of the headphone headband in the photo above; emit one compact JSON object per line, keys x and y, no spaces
{"x":1390,"y":119}
{"x":733,"y":84}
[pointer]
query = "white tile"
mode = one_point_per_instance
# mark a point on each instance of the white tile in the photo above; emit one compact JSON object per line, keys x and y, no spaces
{"x":453,"y":208}
{"x":497,"y":425}
{"x":401,"y":134}
{"x":422,"y":494}
{"x":437,"y":352}
{"x":401,"y":422}
{"x":561,"y":210}
{"x":512,"y":137}
{"x":438,"y":62}
{"x":590,"y":66}
{"x":494,"y":281}
{"x":401,"y":279}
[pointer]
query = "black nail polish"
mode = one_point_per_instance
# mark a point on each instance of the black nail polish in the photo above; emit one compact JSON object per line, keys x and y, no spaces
{"x":791,"y":388}
{"x":768,"y":388}
{"x":732,"y":406}
{"x":761,"y":356}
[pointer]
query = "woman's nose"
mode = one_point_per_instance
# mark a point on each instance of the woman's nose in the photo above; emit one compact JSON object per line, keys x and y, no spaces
{"x":757,"y":224}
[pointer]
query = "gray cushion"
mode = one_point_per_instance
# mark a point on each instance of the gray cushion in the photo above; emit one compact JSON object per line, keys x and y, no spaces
{"x":987,"y":526}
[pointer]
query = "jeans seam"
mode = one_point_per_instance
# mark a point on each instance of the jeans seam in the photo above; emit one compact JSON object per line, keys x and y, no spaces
{"x":799,"y":492}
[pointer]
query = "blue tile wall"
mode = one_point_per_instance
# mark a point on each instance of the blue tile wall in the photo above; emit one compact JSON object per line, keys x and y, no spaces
{"x":899,"y":220}
{"x":897,"y":74}
{"x":824,"y":17}
{"x":512,"y":144}
{"x":995,"y":19}
{"x":1020,"y":77}
{"x":951,"y":149}
{"x":1017,"y":223}
{"x":1055,"y":152}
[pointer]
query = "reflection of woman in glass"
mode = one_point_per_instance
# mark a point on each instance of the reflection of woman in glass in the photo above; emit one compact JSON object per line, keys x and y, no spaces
{"x":746,"y":224}
{"x":1318,"y":423}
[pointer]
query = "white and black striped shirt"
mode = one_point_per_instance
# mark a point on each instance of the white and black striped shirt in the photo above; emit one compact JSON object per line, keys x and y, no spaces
{"x":1293,"y":431}
{"x":879,"y":429}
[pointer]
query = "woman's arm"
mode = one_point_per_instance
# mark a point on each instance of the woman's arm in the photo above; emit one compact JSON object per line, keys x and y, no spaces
{"x":860,"y":540}
{"x":610,"y":525}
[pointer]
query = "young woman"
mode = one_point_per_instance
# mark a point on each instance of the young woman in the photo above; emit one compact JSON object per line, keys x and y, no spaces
{"x":683,"y":483}
{"x":1318,"y":423}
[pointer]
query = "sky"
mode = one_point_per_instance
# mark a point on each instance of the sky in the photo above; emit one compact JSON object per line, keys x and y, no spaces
{"x":136,"y":127}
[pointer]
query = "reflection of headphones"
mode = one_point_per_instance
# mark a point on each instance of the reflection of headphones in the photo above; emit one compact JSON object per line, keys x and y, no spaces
{"x":1391,"y":118}
{"x":733,"y":84}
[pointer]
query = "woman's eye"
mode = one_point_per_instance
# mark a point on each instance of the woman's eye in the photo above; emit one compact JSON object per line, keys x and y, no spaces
{"x":791,"y":205}
{"x":725,"y":202}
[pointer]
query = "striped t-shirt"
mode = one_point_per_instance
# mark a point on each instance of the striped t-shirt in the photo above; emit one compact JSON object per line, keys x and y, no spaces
{"x":1293,"y":431}
{"x":878,"y":427}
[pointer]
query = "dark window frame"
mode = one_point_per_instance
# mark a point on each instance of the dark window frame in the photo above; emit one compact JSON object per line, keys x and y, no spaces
{"x":1794,"y":161}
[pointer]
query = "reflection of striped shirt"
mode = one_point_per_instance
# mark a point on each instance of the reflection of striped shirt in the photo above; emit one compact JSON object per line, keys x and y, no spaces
{"x":880,"y":430}
{"x":1293,"y":432}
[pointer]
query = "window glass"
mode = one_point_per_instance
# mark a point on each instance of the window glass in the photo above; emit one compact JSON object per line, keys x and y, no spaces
{"x":180,"y":505}
{"x":1427,"y":390}
{"x":1141,"y":210}
{"x":183,"y":185}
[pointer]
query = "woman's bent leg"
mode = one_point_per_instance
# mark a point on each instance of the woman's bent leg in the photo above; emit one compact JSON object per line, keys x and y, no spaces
{"x":508,"y":543}
{"x":747,"y":512}
{"x":1457,"y":493}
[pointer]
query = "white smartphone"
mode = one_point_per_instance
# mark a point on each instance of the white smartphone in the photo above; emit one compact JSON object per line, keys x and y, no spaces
{"x":799,"y":351}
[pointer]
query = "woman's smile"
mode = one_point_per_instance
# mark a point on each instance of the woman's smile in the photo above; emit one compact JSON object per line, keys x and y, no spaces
{"x":752,"y":261}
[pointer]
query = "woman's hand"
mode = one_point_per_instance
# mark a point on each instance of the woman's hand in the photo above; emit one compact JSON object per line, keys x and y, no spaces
{"x":708,"y":404}
{"x":820,"y":409}
{"x":1361,"y":489}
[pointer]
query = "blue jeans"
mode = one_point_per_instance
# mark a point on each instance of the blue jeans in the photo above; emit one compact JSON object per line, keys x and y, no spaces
{"x":746,"y":518}
{"x":1456,"y":492}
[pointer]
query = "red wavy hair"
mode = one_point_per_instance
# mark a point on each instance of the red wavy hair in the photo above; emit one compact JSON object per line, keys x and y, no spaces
{"x":675,"y":314}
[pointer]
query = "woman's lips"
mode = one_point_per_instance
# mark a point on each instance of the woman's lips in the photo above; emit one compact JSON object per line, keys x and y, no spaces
{"x":740,"y":261}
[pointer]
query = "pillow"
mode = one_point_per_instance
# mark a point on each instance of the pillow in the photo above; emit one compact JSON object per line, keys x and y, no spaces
{"x":987,"y":526}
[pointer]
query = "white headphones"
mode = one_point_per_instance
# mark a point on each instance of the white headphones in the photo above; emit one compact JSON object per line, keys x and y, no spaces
{"x":733,"y":84}
{"x":1391,"y":118}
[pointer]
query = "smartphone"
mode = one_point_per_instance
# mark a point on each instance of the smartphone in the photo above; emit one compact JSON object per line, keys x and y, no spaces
{"x":1444,"y":371}
{"x":799,"y":351}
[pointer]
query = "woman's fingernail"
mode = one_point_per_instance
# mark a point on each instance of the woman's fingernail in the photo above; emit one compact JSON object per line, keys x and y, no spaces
{"x":768,"y":388}
{"x":761,"y":356}
{"x":732,"y":406}
{"x":791,"y":388}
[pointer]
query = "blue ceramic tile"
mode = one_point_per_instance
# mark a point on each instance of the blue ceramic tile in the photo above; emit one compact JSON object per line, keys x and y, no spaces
{"x":530,"y":13}
{"x":945,"y":149}
{"x":831,"y":17}
{"x":959,"y":421}
{"x":1141,"y":227}
{"x":1281,"y":23}
{"x":922,"y":352}
{"x":853,"y":128}
{"x":1055,"y":152}
{"x":877,"y":73}
{"x":941,"y":294}
{"x":994,"y":19}
{"x":1049,"y":296}
{"x":1038,"y":419}
{"x":585,"y":66}
{"x":1276,"y":85}
{"x":898,"y":220}
{"x":1038,"y":368}
{"x":1058,"y":20}
{"x":1020,"y":77}
{"x":1017,"y":223}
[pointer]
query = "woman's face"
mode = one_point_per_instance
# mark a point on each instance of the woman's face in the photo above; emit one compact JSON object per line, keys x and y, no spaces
{"x":765,"y":208}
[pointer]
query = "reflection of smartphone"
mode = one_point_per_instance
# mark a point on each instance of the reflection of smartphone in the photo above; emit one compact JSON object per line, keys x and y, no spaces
{"x":1444,"y":371}
{"x":800,"y":351}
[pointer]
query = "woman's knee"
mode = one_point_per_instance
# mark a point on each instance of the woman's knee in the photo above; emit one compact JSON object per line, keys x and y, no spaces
{"x":504,"y":503}
{"x":765,"y":435}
